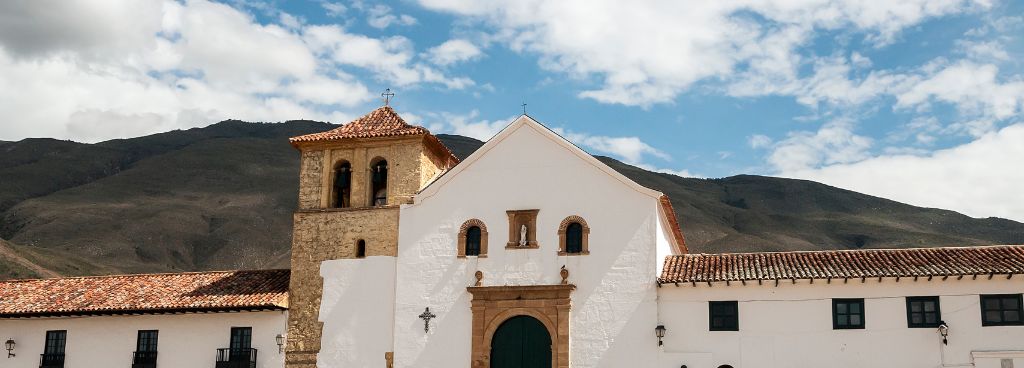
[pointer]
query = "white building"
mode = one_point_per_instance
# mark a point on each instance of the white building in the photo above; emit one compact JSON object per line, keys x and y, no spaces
{"x":207,"y":319}
{"x":531,"y":253}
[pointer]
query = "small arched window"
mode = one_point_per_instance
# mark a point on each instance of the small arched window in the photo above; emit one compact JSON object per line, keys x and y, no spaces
{"x":725,"y":366}
{"x":342,"y":190}
{"x":361,"y":249}
{"x":379,"y":183}
{"x":573,"y":236}
{"x":473,"y":239}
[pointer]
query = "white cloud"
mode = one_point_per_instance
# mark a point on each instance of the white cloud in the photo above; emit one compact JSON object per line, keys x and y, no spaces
{"x":980,"y":178}
{"x":98,"y":70}
{"x":834,"y":143}
{"x":631,"y":150}
{"x":391,"y":58}
{"x":379,"y":16}
{"x":640,"y":61}
{"x":468,"y":125}
{"x":334,"y":9}
{"x":759,"y":141}
{"x":983,"y":50}
{"x":453,"y":51}
{"x":973,"y":88}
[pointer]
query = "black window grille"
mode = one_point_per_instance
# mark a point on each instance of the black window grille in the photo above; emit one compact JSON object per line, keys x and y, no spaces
{"x":847,"y":314}
{"x":53,"y":350}
{"x":574,"y":238}
{"x":145,"y":349}
{"x":923,"y":311}
{"x":473,"y":235}
{"x":724,"y":316}
{"x":1001,"y":310}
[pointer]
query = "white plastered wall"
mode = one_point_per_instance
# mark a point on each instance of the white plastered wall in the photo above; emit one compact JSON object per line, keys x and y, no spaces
{"x":791,"y":325}
{"x":613,"y":308}
{"x":185,"y":340}
{"x":357,"y":311}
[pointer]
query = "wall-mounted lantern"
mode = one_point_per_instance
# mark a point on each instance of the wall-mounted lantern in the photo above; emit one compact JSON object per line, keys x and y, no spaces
{"x":10,"y":347}
{"x":660,"y":332}
{"x":280,"y":343}
{"x":944,"y":331}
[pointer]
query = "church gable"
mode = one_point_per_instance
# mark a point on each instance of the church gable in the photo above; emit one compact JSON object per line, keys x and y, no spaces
{"x":526,"y":142}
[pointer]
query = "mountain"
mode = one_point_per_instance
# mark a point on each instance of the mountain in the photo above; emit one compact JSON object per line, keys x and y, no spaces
{"x":221,"y":197}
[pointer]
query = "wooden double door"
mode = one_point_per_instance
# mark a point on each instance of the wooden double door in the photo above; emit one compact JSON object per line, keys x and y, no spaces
{"x":521,"y":342}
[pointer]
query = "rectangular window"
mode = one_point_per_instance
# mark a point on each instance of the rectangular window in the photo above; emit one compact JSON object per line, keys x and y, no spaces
{"x":55,"y":341}
{"x":53,"y":350}
{"x":923,"y":311}
{"x":724,"y":316}
{"x":241,"y":338}
{"x":1001,"y":310}
{"x":847,"y":314}
{"x":147,"y":340}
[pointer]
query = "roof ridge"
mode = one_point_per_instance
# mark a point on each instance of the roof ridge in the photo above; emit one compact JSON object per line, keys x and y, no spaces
{"x":144,"y":274}
{"x":987,"y":246}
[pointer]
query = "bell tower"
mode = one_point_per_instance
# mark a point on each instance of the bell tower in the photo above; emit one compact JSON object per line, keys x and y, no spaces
{"x":352,"y":180}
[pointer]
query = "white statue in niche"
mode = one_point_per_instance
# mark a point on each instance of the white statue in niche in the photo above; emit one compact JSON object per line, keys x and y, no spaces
{"x":522,"y":236}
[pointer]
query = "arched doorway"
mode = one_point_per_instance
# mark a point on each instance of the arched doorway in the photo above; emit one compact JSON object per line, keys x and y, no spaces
{"x":521,"y":342}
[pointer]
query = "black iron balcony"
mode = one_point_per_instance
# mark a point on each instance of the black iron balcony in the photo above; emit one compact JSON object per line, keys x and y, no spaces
{"x":144,"y":359}
{"x":236,"y":358}
{"x":51,"y":360}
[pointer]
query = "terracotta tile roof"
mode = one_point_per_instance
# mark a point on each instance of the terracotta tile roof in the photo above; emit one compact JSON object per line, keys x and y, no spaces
{"x":670,"y":214}
{"x":152,"y":293}
{"x":382,"y":122}
{"x":841,"y":264}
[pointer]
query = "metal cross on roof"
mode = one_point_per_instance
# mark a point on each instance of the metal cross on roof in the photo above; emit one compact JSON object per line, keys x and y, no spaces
{"x":426,"y":316}
{"x":524,"y":107}
{"x":387,"y":96}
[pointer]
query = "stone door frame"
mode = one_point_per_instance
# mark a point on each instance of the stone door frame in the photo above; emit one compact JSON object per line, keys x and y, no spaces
{"x":493,"y":305}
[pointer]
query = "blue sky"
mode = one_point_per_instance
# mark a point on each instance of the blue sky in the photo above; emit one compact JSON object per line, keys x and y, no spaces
{"x":918,"y":100}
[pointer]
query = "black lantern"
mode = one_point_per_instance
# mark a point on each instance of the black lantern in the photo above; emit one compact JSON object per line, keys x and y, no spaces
{"x":660,"y":332}
{"x":10,"y":347}
{"x":280,"y":343}
{"x":944,"y":331}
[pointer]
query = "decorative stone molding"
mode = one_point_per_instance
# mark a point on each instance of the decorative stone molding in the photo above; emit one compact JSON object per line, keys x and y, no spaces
{"x":516,"y":220}
{"x":493,"y":305}
{"x":483,"y":237}
{"x":561,"y":235}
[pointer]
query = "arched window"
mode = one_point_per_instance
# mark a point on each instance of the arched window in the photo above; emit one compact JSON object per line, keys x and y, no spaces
{"x":361,"y":249}
{"x":473,"y":239}
{"x":573,"y":236}
{"x":379,"y":183}
{"x":342,"y":190}
{"x":725,"y":366}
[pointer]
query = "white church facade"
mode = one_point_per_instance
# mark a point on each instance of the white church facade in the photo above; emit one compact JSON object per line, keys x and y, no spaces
{"x":528,"y":253}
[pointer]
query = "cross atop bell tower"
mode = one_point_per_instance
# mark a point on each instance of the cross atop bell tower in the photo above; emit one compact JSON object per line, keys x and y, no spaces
{"x":387,"y":96}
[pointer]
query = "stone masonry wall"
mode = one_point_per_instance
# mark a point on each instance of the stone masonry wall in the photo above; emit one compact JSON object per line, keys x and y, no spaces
{"x":321,"y":233}
{"x":320,"y":236}
{"x":311,"y":166}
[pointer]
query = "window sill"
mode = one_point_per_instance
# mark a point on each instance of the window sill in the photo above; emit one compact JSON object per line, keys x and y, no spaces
{"x":583,"y":253}
{"x":529,"y":245}
{"x":346,"y":209}
{"x":478,"y":256}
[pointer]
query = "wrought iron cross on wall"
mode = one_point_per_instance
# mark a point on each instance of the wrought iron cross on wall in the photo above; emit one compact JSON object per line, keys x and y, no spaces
{"x":426,"y":316}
